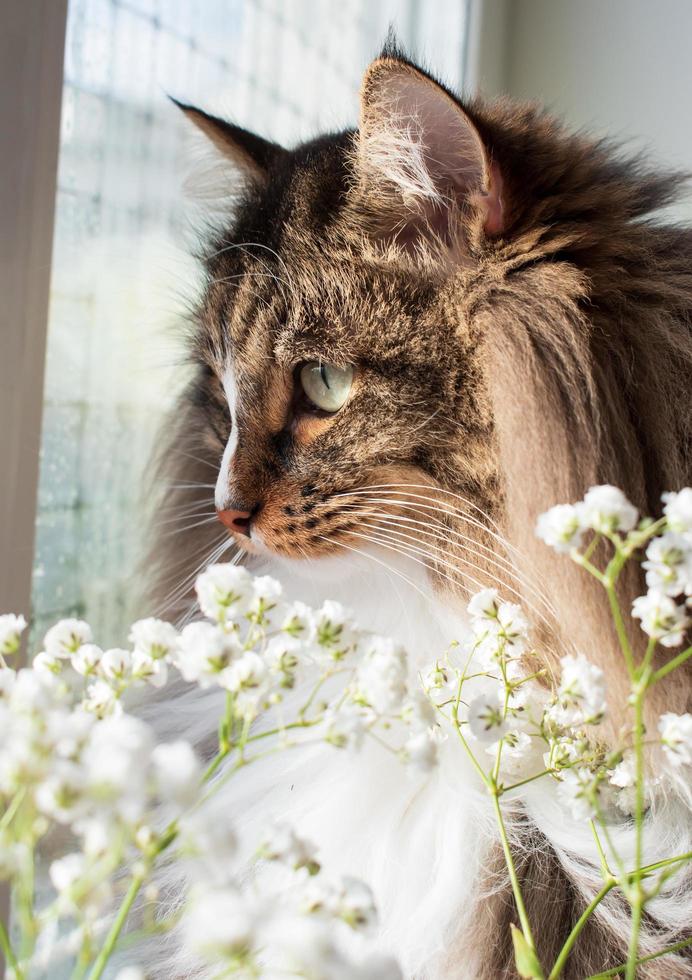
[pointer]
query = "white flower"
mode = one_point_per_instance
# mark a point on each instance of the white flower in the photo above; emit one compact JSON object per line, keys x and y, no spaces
{"x":381,"y":675}
{"x":11,"y":629}
{"x":299,"y":620}
{"x":115,"y":664}
{"x":669,"y":565}
{"x":561,"y":528}
{"x":581,"y":694}
{"x":355,"y":903}
{"x":438,"y":676}
{"x":211,"y":843}
{"x":86,"y":659}
{"x":224,"y":591}
{"x":146,"y":668}
{"x":333,"y":626}
{"x":678,"y":510}
{"x":66,"y":637}
{"x":101,"y":699}
{"x":46,"y":662}
{"x":623,"y":775}
{"x":661,"y":618}
{"x":283,"y":657}
{"x":66,"y":871}
{"x":485,"y":717}
{"x":218,"y":924}
{"x":578,"y":790}
{"x":281,"y":843}
{"x":204,"y":651}
{"x":7,"y":679}
{"x":153,"y":637}
{"x":418,"y":712}
{"x":421,"y":751}
{"x":248,"y":672}
{"x":345,"y":727}
{"x":116,"y":761}
{"x":484,"y":605}
{"x":513,"y":627}
{"x":516,"y":752}
{"x":266,"y":592}
{"x":61,"y":795}
{"x":177,"y":772}
{"x":676,"y":735}
{"x":131,"y":973}
{"x":606,"y":509}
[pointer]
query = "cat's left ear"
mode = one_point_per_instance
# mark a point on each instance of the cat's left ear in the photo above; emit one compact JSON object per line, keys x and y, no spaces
{"x":249,"y":154}
{"x":422,"y":162}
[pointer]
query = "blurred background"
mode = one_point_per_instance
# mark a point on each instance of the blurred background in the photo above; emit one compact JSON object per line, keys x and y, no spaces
{"x":99,"y":273}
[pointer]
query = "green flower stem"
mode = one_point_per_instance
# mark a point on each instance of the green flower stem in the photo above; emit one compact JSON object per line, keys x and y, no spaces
{"x":672,"y":665}
{"x":634,"y":892}
{"x":605,"y":867}
{"x":616,"y":971}
{"x":529,"y":779}
{"x":111,"y":939}
{"x":650,"y":868}
{"x":11,"y":811}
{"x":509,"y":861}
{"x":609,"y":586}
{"x":579,"y":925}
{"x":10,"y":958}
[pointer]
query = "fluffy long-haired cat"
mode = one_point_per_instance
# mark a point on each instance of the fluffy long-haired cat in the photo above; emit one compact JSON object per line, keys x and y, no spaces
{"x":414,"y":338}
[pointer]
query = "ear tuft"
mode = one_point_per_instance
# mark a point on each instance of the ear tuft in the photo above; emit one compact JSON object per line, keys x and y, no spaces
{"x":421,"y":156}
{"x":252,"y":155}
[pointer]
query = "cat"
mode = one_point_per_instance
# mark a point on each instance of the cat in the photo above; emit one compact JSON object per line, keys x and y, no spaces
{"x":413,"y":339}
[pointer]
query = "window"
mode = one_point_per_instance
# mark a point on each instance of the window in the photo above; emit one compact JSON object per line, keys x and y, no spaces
{"x":121,"y":272}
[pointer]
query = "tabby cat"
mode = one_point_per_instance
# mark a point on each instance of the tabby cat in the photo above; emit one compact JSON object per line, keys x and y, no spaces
{"x":413,"y":339}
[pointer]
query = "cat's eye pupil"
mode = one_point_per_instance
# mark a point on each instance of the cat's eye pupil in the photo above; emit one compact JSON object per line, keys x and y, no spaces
{"x":326,"y":386}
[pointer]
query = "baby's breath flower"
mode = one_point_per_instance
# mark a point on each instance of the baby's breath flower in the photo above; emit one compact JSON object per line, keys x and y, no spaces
{"x":515,"y":753}
{"x":177,"y":772}
{"x":47,"y":662}
{"x":661,"y":618}
{"x":420,"y":751}
{"x":581,"y":694}
{"x":333,"y":627}
{"x":484,"y":605}
{"x":561,"y":528}
{"x":219,"y":925}
{"x":86,"y":659}
{"x":299,"y":621}
{"x":11,"y":629}
{"x":153,"y":637}
{"x":115,"y":664}
{"x":678,"y":510}
{"x":669,"y":565}
{"x":281,"y":843}
{"x":146,"y":668}
{"x":224,"y":591}
{"x":485,"y":717}
{"x":204,"y":651}
{"x":266,"y":592}
{"x":283,"y":657}
{"x":439,"y":676}
{"x":101,"y":699}
{"x":66,"y":637}
{"x":606,"y":509}
{"x":676,"y":735}
{"x":418,"y":712}
{"x":248,"y":672}
{"x":345,"y":728}
{"x":66,"y":871}
{"x":578,"y":790}
{"x":381,"y":675}
{"x":355,"y":903}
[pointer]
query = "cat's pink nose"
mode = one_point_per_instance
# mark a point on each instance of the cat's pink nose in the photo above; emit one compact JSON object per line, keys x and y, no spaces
{"x":237,"y":521}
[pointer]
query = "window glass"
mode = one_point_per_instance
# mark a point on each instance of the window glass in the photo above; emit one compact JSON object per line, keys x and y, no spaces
{"x":121,"y":274}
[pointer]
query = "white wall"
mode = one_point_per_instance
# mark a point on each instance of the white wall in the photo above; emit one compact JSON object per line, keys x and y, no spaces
{"x":622,"y":67}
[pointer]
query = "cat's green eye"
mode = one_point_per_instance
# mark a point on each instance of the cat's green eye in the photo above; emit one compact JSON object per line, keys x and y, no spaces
{"x":325,"y":385}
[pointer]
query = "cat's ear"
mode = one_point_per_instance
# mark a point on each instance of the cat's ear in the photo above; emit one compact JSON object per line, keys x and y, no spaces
{"x":422,"y":163}
{"x":251,"y":155}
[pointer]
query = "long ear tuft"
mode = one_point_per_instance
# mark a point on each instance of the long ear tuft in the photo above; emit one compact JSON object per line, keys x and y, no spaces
{"x":422,"y":165}
{"x":252,"y":155}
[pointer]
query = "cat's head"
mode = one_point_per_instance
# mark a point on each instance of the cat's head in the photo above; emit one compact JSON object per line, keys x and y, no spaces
{"x":380,"y":309}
